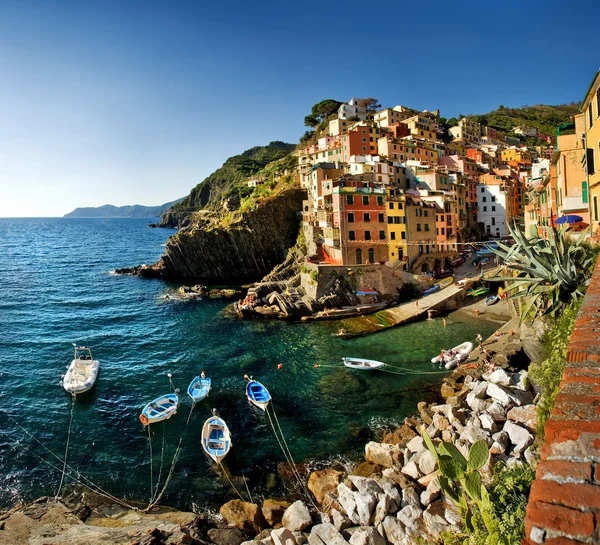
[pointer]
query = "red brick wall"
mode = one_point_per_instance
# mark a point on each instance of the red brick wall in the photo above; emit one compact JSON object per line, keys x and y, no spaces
{"x":564,"y":502}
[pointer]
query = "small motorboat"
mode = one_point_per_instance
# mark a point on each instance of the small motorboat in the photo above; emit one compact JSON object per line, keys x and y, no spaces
{"x":82,"y":373}
{"x":162,"y":408}
{"x":257,"y":394}
{"x":431,"y":290}
{"x":491,"y":300}
{"x":363,"y":364}
{"x":216,"y":439}
{"x":457,"y":262}
{"x":199,"y":388}
{"x":451,"y":358}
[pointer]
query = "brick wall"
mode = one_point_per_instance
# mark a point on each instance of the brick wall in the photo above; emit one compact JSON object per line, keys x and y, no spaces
{"x":564,"y":502}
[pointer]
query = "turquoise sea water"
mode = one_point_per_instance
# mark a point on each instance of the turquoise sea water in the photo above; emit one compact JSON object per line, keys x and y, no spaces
{"x":56,"y":288}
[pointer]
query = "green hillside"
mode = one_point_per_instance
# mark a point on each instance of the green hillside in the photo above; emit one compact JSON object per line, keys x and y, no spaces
{"x":542,"y":117}
{"x":228,"y":182}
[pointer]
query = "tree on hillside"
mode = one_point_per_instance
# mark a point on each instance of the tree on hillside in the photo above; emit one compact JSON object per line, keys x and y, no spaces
{"x":371,"y":104}
{"x":321,"y":111}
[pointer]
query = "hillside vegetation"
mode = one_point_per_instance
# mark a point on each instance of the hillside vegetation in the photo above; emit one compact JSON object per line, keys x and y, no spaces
{"x":227,"y":186}
{"x":542,"y":117}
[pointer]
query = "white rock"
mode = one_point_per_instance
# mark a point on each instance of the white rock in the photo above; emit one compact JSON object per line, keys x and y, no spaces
{"x":367,"y":536}
{"x":456,"y":414}
{"x":477,"y":392}
{"x":348,"y":502}
{"x":526,"y":415}
{"x":392,"y":492}
{"x":426,"y":462}
{"x":409,"y":516}
{"x":416,"y":444}
{"x":411,"y":470}
{"x":283,"y":536}
{"x":501,"y":377}
{"x":383,"y":508}
{"x":325,"y":534}
{"x":530,"y":456}
{"x":434,"y":518}
{"x":340,"y":521}
{"x":365,"y":485}
{"x":537,"y":535}
{"x":431,"y":492}
{"x":394,"y":531}
{"x":487,"y":422}
{"x":365,"y":505}
{"x":410,"y":497}
{"x":497,"y":412}
{"x":498,"y":394}
{"x":519,"y":436}
{"x":452,"y":515}
{"x":520,"y":381}
{"x":478,"y":405}
{"x":473,"y":434}
{"x":296,"y":517}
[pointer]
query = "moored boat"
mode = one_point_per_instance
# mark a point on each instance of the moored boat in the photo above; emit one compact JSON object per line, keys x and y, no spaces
{"x":448,"y":281}
{"x":199,"y":388}
{"x":363,"y":364}
{"x":215,"y":438}
{"x":82,"y":373}
{"x":491,"y":300}
{"x":451,"y":358}
{"x":257,"y":394}
{"x":162,"y":408}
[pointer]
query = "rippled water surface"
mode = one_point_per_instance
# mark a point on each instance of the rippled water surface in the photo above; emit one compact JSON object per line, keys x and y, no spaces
{"x":56,"y":288}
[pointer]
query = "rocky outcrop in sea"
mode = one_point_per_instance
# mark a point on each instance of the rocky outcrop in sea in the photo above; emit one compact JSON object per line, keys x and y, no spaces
{"x":220,"y":253}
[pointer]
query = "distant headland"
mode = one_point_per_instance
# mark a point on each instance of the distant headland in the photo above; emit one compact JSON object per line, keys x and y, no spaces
{"x":130,"y":211}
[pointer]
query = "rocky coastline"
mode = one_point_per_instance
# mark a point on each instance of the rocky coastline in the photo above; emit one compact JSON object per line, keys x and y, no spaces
{"x":392,"y":496}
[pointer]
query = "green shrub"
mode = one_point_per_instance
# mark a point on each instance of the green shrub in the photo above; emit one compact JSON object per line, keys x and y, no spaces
{"x":548,"y":373}
{"x":504,"y":514}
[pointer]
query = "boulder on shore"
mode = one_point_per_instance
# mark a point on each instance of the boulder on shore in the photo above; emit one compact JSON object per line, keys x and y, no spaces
{"x":273,"y":511}
{"x":245,"y":515}
{"x":324,"y":481}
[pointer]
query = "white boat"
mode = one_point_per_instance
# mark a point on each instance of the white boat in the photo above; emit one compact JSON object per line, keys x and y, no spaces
{"x":162,"y":408}
{"x":363,"y":364}
{"x":216,"y":439}
{"x":82,"y":373}
{"x":451,"y":358}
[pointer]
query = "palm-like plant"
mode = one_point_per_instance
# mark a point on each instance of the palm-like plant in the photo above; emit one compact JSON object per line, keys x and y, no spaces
{"x":548,"y":272}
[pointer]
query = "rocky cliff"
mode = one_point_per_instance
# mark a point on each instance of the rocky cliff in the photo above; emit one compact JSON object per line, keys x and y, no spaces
{"x":244,"y":250}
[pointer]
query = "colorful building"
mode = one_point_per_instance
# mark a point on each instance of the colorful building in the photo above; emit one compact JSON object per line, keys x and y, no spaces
{"x":591,"y":111}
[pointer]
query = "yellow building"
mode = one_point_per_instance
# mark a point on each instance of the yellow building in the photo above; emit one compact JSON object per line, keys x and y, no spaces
{"x":396,"y":227}
{"x":591,"y":113}
{"x":516,"y":154}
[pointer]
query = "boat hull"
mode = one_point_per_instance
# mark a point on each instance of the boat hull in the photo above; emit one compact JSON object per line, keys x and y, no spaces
{"x":162,"y":408}
{"x":81,"y":376}
{"x":216,"y":438}
{"x":492,"y":300}
{"x":461,"y":352}
{"x":199,"y":389}
{"x":363,"y":364}
{"x":258,"y":395}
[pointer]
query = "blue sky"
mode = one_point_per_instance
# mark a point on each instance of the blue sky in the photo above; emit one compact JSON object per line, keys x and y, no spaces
{"x":135,"y":102}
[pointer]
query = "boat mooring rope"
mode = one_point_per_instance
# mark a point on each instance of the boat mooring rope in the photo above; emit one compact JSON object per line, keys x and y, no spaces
{"x":243,"y":476}
{"x":231,"y":482}
{"x":287,"y":453}
{"x":77,"y":475}
{"x":154,"y":501}
{"x":62,"y":477}
{"x":395,"y":370}
{"x":151,"y":466}
{"x":162,"y":458}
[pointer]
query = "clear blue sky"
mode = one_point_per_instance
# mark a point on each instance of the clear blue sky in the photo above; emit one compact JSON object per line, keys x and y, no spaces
{"x":134,"y":102}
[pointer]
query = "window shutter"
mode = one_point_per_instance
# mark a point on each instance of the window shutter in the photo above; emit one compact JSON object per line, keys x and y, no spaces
{"x":584,"y":192}
{"x":590,"y":161}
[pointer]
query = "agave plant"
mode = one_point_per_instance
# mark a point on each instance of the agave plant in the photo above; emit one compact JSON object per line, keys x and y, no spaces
{"x":548,"y":272}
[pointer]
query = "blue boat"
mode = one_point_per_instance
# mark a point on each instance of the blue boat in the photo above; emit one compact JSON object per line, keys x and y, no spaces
{"x":258,"y":394}
{"x":431,"y":290}
{"x":216,"y":439}
{"x":162,"y":408}
{"x":199,"y":388}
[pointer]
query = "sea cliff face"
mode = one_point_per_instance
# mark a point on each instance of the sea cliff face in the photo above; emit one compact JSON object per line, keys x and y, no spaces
{"x":242,"y":251}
